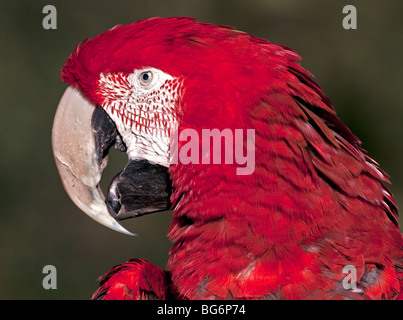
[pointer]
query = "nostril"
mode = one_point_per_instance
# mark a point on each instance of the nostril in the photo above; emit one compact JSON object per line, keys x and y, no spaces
{"x":113,"y":198}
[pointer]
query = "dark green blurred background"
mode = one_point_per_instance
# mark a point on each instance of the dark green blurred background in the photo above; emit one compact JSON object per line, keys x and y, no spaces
{"x":360,"y":71}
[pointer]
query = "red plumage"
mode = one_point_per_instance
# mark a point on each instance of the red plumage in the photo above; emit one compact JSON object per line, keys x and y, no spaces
{"x":134,"y":280}
{"x":314,"y":204}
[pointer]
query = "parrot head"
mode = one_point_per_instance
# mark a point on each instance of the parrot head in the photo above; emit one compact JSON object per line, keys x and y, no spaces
{"x":133,"y":87}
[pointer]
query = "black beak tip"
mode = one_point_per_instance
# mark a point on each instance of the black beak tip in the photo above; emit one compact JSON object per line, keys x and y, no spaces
{"x":140,"y":188}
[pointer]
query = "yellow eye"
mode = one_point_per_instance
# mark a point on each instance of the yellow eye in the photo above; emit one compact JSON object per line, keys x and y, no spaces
{"x":145,"y":78}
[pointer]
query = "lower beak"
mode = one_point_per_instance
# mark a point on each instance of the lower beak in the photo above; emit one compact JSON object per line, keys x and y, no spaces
{"x":81,"y":137}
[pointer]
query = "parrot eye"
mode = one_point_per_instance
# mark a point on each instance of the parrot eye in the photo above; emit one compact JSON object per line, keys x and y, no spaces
{"x":146,"y":78}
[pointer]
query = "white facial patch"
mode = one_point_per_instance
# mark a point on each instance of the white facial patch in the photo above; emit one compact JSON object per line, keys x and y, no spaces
{"x":143,"y":106}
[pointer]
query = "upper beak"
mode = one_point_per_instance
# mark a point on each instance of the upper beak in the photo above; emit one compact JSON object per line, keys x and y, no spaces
{"x":81,"y":137}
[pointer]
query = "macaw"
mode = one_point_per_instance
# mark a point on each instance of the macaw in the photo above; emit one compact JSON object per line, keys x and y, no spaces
{"x":312,"y":206}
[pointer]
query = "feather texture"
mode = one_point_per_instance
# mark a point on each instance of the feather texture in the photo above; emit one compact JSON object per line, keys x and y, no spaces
{"x":134,"y":280}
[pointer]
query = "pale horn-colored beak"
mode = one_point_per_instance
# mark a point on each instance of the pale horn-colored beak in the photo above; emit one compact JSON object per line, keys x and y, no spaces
{"x":74,"y":149}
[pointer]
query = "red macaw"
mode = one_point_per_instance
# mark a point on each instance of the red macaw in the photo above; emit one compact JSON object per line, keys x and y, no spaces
{"x":311,"y":205}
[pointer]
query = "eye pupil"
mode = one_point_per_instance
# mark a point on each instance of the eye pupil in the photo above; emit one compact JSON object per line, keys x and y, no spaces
{"x":146,"y":78}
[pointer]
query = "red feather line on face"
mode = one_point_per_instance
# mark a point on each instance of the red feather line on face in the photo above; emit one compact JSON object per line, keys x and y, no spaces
{"x":151,"y":113}
{"x":315,"y":202}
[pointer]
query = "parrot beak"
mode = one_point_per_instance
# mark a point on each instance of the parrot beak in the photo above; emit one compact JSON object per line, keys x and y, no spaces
{"x":82,"y":134}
